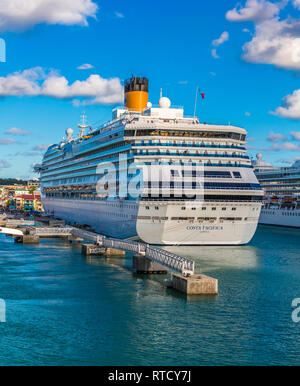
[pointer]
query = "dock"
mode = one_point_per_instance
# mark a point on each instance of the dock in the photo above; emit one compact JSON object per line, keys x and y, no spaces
{"x":146,"y":259}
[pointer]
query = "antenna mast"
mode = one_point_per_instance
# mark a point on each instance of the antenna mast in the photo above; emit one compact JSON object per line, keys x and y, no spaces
{"x":196,"y":100}
{"x":82,"y":125}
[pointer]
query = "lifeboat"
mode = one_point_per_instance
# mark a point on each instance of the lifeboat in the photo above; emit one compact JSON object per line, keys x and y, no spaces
{"x":275,"y":200}
{"x":289,"y":199}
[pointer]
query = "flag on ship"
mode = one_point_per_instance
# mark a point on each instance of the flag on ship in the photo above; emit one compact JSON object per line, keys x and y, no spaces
{"x":202,"y":94}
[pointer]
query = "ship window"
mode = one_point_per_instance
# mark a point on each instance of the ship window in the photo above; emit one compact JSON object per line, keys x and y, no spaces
{"x":182,"y":218}
{"x":157,"y":208}
{"x":233,"y":209}
{"x":231,"y":218}
{"x":174,"y":173}
{"x":213,"y":208}
{"x":224,"y":208}
{"x":237,"y":174}
{"x":183,"y":208}
{"x":203,"y":208}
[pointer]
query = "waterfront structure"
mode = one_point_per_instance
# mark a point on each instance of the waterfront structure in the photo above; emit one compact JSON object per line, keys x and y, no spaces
{"x":191,"y":183}
{"x":282,"y":193}
{"x":27,"y":203}
{"x":21,"y":197}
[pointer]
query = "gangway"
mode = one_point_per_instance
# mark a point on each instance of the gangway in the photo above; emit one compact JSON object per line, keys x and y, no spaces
{"x":167,"y":259}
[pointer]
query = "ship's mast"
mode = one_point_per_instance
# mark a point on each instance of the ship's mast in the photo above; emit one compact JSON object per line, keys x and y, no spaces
{"x":82,"y":125}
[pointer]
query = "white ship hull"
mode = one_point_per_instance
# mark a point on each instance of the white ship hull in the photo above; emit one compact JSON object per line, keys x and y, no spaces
{"x":280,"y":217}
{"x":126,"y":219}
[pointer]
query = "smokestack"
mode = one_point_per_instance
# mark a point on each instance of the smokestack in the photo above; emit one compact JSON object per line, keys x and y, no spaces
{"x":136,"y":94}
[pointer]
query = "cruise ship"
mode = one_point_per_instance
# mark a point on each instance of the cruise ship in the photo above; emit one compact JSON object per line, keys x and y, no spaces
{"x":282,"y":193}
{"x":154,"y":174}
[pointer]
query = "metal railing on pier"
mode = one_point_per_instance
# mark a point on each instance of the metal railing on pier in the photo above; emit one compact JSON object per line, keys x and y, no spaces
{"x":167,"y":259}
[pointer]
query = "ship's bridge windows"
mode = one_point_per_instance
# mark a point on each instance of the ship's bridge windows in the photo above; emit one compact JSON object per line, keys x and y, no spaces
{"x":186,"y":133}
{"x":237,"y":175}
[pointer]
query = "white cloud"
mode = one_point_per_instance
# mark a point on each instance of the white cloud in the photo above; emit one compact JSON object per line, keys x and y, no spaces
{"x":17,"y":131}
{"x":4,"y":164}
{"x":290,"y":106}
{"x":286,"y":146}
{"x":295,"y":135}
{"x":35,"y":82}
{"x":214,"y":53}
{"x":276,"y":137}
{"x":7,"y":141}
{"x":217,"y":42}
{"x":296,"y":3}
{"x":222,"y":39}
{"x":18,"y":15}
{"x":85,"y":66}
{"x":275,"y":147}
{"x":254,"y":10}
{"x":40,"y":147}
{"x":275,"y":42}
{"x":119,"y":15}
{"x":289,"y":160}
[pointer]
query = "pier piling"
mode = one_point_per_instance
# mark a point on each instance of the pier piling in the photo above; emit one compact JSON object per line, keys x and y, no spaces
{"x":195,"y":285}
{"x":92,"y":250}
{"x":27,"y":239}
{"x":96,"y":250}
{"x":142,"y":264}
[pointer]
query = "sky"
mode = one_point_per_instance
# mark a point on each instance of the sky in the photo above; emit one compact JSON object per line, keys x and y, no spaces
{"x":67,"y":57}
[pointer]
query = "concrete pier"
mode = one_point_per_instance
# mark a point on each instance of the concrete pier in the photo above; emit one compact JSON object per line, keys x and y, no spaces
{"x":27,"y":239}
{"x":142,"y":264}
{"x":195,"y":285}
{"x":96,"y":250}
{"x":114,"y":252}
{"x":92,"y":250}
{"x":72,"y":239}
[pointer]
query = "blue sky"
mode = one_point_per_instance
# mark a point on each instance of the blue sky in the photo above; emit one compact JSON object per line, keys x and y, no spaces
{"x":256,"y":64}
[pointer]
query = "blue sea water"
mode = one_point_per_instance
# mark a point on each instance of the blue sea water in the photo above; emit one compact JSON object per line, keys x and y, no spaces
{"x":65,"y":310}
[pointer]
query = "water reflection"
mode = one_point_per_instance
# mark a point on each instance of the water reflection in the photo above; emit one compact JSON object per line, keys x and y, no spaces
{"x":210,"y":258}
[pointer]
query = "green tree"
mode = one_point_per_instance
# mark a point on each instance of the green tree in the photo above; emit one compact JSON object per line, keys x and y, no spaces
{"x":32,"y":189}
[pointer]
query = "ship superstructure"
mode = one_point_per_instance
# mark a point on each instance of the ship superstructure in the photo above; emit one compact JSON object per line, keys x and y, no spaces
{"x":155,"y":174}
{"x":282,"y":193}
